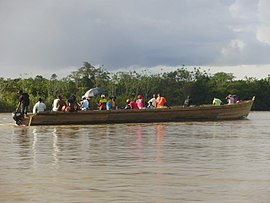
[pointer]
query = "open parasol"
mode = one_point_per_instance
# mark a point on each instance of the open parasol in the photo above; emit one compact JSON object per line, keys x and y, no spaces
{"x":93,"y":92}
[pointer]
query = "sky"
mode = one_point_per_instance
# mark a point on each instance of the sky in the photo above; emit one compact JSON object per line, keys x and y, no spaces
{"x":58,"y":36}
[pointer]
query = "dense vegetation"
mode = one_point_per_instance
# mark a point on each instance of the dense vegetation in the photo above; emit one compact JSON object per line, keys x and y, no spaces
{"x":175,"y":86}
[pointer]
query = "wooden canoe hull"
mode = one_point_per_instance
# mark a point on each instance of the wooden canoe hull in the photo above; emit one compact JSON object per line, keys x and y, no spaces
{"x":172,"y":114}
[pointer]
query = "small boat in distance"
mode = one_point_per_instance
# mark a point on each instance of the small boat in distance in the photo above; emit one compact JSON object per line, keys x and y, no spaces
{"x":236,"y":111}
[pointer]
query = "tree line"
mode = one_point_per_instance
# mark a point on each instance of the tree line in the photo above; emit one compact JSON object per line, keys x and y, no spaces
{"x":175,"y":86}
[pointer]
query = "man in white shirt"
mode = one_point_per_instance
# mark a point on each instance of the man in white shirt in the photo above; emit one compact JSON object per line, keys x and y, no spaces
{"x":153,"y":101}
{"x":39,"y":106}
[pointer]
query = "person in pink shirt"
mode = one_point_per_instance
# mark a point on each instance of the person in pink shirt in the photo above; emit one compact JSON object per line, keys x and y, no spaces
{"x":139,"y":102}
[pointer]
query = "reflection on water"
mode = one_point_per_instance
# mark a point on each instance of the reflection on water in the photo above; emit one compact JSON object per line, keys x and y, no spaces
{"x":160,"y":162}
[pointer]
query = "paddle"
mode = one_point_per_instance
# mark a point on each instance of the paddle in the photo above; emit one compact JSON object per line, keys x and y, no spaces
{"x":19,"y":105}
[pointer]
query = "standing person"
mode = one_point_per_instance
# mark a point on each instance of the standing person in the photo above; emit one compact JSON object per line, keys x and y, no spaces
{"x":161,"y":101}
{"x":39,"y":106}
{"x":139,"y":102}
{"x":24,"y":102}
{"x":153,"y":101}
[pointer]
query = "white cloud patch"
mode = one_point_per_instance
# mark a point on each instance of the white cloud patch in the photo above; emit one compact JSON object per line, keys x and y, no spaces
{"x":235,"y":46}
{"x":263,"y":31}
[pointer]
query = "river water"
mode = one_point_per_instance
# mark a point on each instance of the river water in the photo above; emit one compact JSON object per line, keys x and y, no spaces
{"x":209,"y":162}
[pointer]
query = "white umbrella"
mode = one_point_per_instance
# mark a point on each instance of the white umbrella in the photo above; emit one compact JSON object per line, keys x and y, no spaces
{"x":92,"y":92}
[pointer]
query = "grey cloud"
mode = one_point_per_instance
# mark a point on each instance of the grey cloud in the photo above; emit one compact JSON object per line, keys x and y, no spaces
{"x":122,"y":33}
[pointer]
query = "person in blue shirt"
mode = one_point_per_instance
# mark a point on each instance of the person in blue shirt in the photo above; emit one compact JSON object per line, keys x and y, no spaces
{"x":85,"y":104}
{"x":109,"y":104}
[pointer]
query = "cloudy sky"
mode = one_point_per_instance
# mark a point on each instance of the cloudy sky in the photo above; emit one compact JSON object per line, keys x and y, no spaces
{"x":57,"y":36}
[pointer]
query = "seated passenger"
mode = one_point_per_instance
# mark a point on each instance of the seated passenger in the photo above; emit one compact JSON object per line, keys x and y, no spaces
{"x":153,"y":100}
{"x":39,"y":106}
{"x":109,"y":104}
{"x":72,"y":105}
{"x":131,"y":104}
{"x":235,"y":99}
{"x":150,"y":105}
{"x":230,"y":99}
{"x":139,"y":102}
{"x":113,"y":102}
{"x":187,"y":101}
{"x":160,"y":101}
{"x":85,"y":104}
{"x":102,"y":103}
{"x":127,"y":104}
{"x":216,"y":102}
{"x":59,"y":104}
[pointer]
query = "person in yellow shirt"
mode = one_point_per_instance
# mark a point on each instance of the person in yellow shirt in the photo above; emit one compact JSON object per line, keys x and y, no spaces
{"x":102,"y":103}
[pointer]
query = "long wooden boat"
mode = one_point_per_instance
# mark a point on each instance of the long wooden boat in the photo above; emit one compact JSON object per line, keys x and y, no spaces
{"x":171,"y":114}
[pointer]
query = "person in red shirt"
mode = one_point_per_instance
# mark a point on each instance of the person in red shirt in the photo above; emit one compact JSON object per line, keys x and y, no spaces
{"x":160,"y":101}
{"x":131,"y":105}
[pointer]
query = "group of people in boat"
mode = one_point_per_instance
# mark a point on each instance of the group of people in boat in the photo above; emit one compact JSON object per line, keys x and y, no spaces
{"x":84,"y":105}
{"x":107,"y":104}
{"x":155,"y":102}
{"x":230,"y":99}
{"x":71,"y":105}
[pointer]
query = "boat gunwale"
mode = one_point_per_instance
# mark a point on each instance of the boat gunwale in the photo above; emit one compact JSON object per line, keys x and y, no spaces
{"x":172,"y":114}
